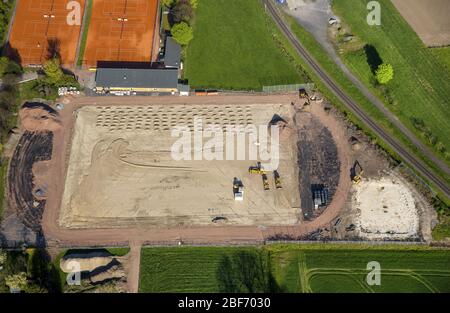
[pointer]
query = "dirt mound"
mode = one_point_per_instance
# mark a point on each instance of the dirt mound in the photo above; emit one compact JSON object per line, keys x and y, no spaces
{"x":39,"y":117}
{"x":87,"y":262}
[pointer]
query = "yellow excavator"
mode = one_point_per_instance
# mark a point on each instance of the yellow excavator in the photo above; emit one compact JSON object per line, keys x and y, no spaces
{"x":277,"y":179}
{"x":303,"y":94}
{"x":256,"y":169}
{"x":356,"y":175}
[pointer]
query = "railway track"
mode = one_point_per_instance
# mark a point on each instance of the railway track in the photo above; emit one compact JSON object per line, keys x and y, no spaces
{"x":354,"y":107}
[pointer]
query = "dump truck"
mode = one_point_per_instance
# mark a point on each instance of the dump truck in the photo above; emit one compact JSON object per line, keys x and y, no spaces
{"x":277,"y":179}
{"x":265,"y":182}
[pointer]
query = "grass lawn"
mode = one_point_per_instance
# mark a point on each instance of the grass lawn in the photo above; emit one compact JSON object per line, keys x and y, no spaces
{"x":345,"y":270}
{"x":298,"y":268}
{"x":421,"y":85}
{"x":234,"y":48}
{"x":204,"y":269}
{"x":443,"y":54}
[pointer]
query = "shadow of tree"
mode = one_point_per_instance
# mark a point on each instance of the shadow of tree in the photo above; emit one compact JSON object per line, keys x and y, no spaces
{"x":246,"y":272}
{"x":373,"y":57}
{"x":12,"y":53}
{"x":53,"y":49}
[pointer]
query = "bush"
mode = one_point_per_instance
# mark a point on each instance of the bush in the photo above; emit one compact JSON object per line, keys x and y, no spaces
{"x":182,"y":12}
{"x":53,"y":71}
{"x":384,"y":73}
{"x":182,"y":33}
{"x":8,"y":67}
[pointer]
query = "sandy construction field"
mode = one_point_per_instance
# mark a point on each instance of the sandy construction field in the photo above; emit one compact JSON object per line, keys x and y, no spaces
{"x":40,"y":28}
{"x":429,"y":19}
{"x":387,"y":209}
{"x":122,"y":173}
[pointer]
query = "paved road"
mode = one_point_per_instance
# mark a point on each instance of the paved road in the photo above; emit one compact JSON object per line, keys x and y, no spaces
{"x":354,"y":107}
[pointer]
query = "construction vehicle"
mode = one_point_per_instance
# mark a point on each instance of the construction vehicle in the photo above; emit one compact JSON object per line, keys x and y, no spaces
{"x":238,"y":189}
{"x":356,"y":175}
{"x":256,"y":169}
{"x":265,"y":182}
{"x":302,"y":94}
{"x":277,"y":179}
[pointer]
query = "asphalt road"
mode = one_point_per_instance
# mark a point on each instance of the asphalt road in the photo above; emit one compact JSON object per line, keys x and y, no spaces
{"x":409,"y":158}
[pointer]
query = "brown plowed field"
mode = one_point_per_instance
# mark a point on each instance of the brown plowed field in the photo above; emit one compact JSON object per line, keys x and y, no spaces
{"x":121,"y":30}
{"x":429,"y":19}
{"x":33,"y":35}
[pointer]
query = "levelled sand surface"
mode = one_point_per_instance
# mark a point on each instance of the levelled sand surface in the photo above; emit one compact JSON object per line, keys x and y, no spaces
{"x":386,"y":209}
{"x":122,"y":173}
{"x":429,"y":19}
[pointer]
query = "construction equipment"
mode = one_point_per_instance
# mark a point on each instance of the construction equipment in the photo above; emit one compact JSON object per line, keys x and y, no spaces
{"x":238,"y":189}
{"x":354,"y":174}
{"x":256,"y":169}
{"x":265,"y":182}
{"x":302,"y":94}
{"x":277,"y":179}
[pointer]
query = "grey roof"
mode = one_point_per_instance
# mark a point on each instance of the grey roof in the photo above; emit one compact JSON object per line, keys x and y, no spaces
{"x":137,"y":78}
{"x":172,"y":56}
{"x":182,"y":87}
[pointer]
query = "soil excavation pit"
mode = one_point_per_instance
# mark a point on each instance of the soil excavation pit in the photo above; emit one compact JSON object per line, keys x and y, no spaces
{"x":122,"y":173}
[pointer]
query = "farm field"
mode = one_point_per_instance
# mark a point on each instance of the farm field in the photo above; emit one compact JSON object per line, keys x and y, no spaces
{"x":293,"y":268}
{"x":233,"y":48}
{"x":443,"y":54}
{"x":420,"y":88}
{"x":344,"y":270}
{"x":207,"y":269}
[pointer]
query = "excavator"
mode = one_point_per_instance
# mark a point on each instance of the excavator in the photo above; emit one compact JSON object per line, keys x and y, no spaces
{"x":355,"y":175}
{"x":302,"y":94}
{"x":256,"y":169}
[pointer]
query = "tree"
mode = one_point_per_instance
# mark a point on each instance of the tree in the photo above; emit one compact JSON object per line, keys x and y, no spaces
{"x":17,"y":281}
{"x":9,"y":67}
{"x":182,"y":33}
{"x":194,"y":3}
{"x":53,"y":71}
{"x":384,"y":73}
{"x":182,"y":12}
{"x":167,"y":3}
{"x":3,"y":257}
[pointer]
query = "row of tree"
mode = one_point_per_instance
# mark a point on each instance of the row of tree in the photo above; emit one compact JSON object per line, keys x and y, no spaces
{"x":28,"y":271}
{"x":181,"y":17}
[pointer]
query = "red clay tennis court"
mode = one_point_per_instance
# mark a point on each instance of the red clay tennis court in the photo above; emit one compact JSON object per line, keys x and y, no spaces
{"x":122,"y":30}
{"x":41,"y":26}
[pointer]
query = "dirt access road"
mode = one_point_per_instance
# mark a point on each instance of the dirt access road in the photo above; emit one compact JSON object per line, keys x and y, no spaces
{"x":58,"y":236}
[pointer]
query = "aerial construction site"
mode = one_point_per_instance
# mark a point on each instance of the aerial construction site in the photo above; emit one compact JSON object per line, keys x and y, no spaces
{"x":104,"y":170}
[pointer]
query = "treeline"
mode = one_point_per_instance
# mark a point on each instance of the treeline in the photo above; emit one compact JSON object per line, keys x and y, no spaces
{"x":181,"y":15}
{"x":5,"y":13}
{"x":30,"y":271}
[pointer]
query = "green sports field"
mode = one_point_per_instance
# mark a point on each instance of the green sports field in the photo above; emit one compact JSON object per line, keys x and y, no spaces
{"x":420,"y":89}
{"x":233,"y":48}
{"x":293,"y":268}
